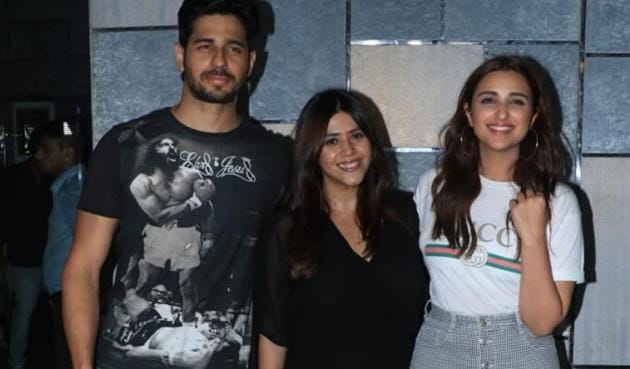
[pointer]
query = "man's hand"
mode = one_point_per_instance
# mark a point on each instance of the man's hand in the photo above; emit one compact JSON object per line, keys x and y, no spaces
{"x":206,"y":244}
{"x":204,"y":189}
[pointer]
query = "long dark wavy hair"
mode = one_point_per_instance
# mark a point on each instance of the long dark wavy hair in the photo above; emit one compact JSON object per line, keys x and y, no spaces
{"x":306,"y":201}
{"x":538,"y":168}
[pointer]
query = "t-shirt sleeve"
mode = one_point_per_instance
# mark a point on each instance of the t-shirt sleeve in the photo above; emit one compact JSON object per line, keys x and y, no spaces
{"x":566,"y":245}
{"x":102,"y":193}
{"x":273,"y":286}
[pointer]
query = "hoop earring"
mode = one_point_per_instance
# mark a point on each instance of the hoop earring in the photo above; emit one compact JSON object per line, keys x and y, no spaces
{"x":461,"y":143}
{"x":528,"y":157}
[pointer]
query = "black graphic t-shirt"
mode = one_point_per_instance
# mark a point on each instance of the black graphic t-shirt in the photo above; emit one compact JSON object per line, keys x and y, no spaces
{"x":190,"y":207}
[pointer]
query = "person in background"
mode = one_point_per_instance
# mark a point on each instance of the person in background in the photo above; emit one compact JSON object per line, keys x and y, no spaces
{"x":24,"y":225}
{"x":342,"y":278}
{"x":501,"y":235}
{"x":65,"y":189}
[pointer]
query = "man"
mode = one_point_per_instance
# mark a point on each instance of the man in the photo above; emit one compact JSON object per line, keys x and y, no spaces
{"x":27,"y":200}
{"x":167,"y":193}
{"x":200,"y":141}
{"x":66,"y":190}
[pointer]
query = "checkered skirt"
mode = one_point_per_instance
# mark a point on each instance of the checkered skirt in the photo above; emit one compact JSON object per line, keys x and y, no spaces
{"x":448,"y":340}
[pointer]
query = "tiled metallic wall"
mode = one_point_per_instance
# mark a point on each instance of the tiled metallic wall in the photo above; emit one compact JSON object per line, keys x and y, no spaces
{"x":602,"y":330}
{"x":411,"y":57}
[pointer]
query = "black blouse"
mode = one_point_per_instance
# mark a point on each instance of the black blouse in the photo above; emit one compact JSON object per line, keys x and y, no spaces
{"x":352,"y":313}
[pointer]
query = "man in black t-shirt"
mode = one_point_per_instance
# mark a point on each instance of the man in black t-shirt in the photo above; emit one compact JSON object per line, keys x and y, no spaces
{"x":186,"y":191}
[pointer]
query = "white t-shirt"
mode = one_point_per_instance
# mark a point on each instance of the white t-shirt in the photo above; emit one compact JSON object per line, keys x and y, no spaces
{"x":489,"y":281}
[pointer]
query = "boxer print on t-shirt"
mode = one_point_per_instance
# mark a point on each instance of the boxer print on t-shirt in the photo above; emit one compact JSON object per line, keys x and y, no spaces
{"x":193,"y":205}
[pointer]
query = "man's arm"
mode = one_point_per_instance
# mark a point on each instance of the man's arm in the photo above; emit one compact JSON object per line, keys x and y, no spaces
{"x":152,"y":205}
{"x":80,"y":284}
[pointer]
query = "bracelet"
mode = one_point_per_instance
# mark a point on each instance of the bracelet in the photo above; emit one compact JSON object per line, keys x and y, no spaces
{"x":194,"y":202}
{"x":165,"y":358}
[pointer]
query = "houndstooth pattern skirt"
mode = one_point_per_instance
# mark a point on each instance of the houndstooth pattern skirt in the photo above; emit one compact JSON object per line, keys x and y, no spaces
{"x":447,"y":340}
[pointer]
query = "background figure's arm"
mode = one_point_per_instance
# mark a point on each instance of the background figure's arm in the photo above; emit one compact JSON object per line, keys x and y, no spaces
{"x":67,"y":203}
{"x":80,"y":284}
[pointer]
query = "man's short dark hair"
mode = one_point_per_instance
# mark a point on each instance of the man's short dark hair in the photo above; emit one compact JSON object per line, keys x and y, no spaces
{"x":62,"y":130}
{"x":244,"y":10}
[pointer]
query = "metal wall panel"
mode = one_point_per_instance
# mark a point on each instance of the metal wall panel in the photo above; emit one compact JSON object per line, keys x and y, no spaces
{"x":606,"y":128}
{"x":607,"y":28}
{"x":416,"y":87}
{"x":602,"y":329}
{"x":305,"y":53}
{"x":540,"y":20}
{"x":133,"y":73}
{"x":136,"y":13}
{"x":395,"y":20}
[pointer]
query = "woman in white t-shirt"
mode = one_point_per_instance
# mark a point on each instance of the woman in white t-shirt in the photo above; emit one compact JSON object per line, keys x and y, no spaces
{"x":501,"y":236}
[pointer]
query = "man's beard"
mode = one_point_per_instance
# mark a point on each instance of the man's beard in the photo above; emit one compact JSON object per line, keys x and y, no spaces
{"x":169,"y":162}
{"x":212,"y":96}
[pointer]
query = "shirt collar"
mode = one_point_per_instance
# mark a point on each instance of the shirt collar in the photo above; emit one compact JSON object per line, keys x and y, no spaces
{"x":75,"y":170}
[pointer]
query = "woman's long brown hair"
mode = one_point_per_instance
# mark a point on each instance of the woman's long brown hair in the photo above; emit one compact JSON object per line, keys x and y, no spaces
{"x":457,"y":184}
{"x":306,"y":202}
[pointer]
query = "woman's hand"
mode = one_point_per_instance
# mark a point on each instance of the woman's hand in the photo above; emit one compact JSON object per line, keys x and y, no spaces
{"x":529,"y":215}
{"x":543,"y":302}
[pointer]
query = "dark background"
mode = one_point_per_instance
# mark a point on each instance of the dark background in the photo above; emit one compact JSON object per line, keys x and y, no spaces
{"x":44,"y":58}
{"x":44,"y":61}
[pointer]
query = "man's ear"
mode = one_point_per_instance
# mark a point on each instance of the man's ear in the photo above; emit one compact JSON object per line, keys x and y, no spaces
{"x":252,"y":61}
{"x":69,"y":154}
{"x":179,"y":56}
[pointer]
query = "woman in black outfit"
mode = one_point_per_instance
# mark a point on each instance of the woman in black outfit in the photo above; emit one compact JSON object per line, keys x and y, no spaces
{"x":342,"y":279}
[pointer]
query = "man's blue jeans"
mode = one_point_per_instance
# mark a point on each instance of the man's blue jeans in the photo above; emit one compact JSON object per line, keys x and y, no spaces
{"x":27,"y":283}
